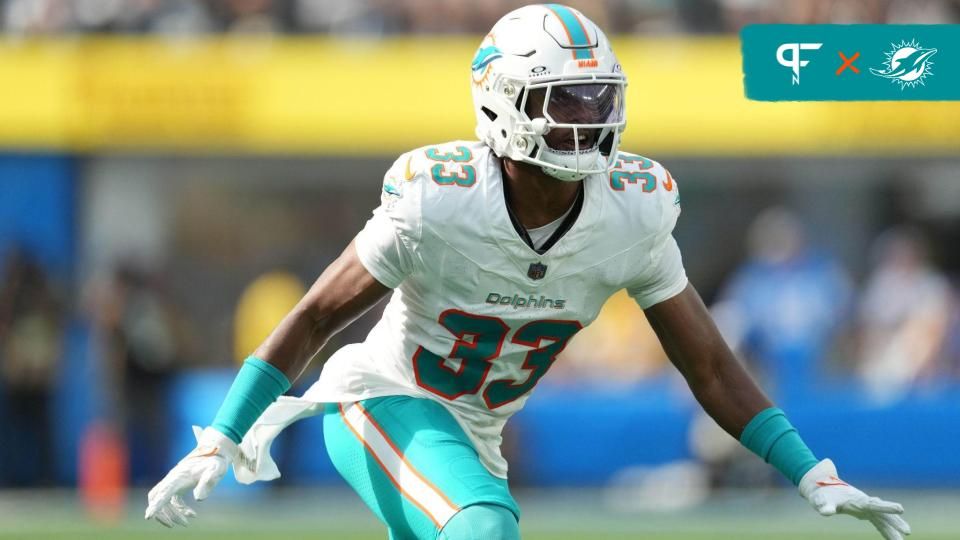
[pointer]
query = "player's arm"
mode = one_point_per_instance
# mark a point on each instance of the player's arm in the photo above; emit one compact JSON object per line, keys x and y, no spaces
{"x":381,"y":256}
{"x":729,"y":395}
{"x":694,"y":345}
{"x":343,"y":292}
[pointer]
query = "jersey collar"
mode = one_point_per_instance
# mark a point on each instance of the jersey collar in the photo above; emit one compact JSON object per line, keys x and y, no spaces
{"x":569,"y":219}
{"x":569,"y":240}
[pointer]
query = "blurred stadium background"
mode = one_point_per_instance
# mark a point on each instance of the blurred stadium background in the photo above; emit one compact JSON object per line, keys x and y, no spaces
{"x":174,"y":173}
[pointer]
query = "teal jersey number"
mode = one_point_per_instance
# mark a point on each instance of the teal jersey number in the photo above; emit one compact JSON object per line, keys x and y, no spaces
{"x":478,"y":344}
{"x":460,"y":155}
{"x":465,"y":177}
{"x":642,"y":162}
{"x":538,"y":361}
{"x":486,"y":339}
{"x":619,"y":180}
{"x":457,"y":172}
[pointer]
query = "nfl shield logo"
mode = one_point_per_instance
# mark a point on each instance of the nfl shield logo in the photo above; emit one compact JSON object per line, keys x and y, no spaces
{"x":537,"y":270}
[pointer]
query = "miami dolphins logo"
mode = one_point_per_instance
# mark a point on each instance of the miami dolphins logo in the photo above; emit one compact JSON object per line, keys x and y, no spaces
{"x":907,"y":64}
{"x":486,"y":54}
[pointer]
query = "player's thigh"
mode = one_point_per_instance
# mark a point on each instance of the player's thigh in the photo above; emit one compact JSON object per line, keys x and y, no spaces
{"x":410,"y":462}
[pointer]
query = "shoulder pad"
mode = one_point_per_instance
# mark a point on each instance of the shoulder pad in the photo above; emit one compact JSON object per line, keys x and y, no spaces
{"x":434,"y":182}
{"x":450,"y":165}
{"x":446,"y":164}
{"x":648,"y":189}
{"x":401,"y":196}
{"x":399,"y":175}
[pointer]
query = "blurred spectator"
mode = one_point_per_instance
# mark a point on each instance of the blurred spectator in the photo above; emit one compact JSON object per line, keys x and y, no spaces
{"x":128,"y":16}
{"x":737,"y":13}
{"x":922,"y":11}
{"x":784,"y":305}
{"x":383,"y":17}
{"x":31,"y":335}
{"x":903,"y":315}
{"x":951,"y":345}
{"x":249,"y":16}
{"x":333,"y":16}
{"x":141,"y":347}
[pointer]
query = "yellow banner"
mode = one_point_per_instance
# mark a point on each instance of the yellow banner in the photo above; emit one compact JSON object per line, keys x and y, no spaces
{"x":381,"y":97}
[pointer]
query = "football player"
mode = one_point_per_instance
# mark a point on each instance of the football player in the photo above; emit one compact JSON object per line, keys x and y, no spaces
{"x":495,"y":253}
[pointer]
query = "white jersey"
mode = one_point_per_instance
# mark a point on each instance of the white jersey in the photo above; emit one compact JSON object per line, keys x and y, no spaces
{"x":478,"y":316}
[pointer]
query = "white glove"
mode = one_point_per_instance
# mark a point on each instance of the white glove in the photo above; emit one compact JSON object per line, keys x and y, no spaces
{"x":200,"y":471}
{"x":829,"y":495}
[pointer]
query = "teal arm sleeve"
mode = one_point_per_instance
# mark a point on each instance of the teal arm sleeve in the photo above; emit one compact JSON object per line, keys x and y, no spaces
{"x":258,"y":384}
{"x":771,"y":436}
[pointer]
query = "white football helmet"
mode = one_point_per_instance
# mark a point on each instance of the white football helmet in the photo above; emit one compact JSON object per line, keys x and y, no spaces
{"x":548,"y":90}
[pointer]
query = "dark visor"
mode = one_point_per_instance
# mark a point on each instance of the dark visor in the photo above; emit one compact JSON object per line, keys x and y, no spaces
{"x":578,"y":103}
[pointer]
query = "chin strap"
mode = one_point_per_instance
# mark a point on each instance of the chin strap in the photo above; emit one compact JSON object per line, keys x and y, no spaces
{"x":563,"y":176}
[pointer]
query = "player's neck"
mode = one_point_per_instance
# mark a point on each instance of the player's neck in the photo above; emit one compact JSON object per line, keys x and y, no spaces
{"x":535,"y":198}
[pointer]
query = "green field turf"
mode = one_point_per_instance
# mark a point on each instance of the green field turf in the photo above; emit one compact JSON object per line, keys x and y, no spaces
{"x":125,"y":535}
{"x":571,"y":515}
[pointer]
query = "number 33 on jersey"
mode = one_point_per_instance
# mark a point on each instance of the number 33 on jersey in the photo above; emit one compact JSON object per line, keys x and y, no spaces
{"x":477,"y":316}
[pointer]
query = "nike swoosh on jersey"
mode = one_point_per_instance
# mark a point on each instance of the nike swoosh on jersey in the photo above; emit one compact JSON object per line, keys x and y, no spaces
{"x":206,"y":451}
{"x":407,"y":173}
{"x":832,"y":481}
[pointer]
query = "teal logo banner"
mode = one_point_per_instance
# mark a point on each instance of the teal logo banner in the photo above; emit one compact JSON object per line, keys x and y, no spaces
{"x":859,"y":62}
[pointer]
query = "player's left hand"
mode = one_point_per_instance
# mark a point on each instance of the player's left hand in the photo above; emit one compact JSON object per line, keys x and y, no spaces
{"x":829,"y":495}
{"x":199,"y":471}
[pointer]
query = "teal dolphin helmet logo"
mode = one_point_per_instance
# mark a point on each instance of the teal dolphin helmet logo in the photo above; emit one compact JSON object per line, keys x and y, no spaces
{"x":907,"y":64}
{"x":484,"y":56}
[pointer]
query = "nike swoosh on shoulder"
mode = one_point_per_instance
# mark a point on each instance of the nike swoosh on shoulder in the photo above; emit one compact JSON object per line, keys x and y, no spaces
{"x":668,"y":184}
{"x":407,"y":173}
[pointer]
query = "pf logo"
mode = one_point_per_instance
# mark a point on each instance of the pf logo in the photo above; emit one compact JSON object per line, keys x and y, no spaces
{"x":794,"y":62}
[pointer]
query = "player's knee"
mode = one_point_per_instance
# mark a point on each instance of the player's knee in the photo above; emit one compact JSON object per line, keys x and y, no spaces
{"x":482,"y":522}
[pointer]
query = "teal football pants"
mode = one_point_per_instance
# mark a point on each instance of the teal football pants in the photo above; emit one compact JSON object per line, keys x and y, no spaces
{"x":413,"y":465}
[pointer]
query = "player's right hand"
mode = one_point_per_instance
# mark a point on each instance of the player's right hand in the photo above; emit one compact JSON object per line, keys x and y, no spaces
{"x":199,"y":471}
{"x":829,"y":495}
